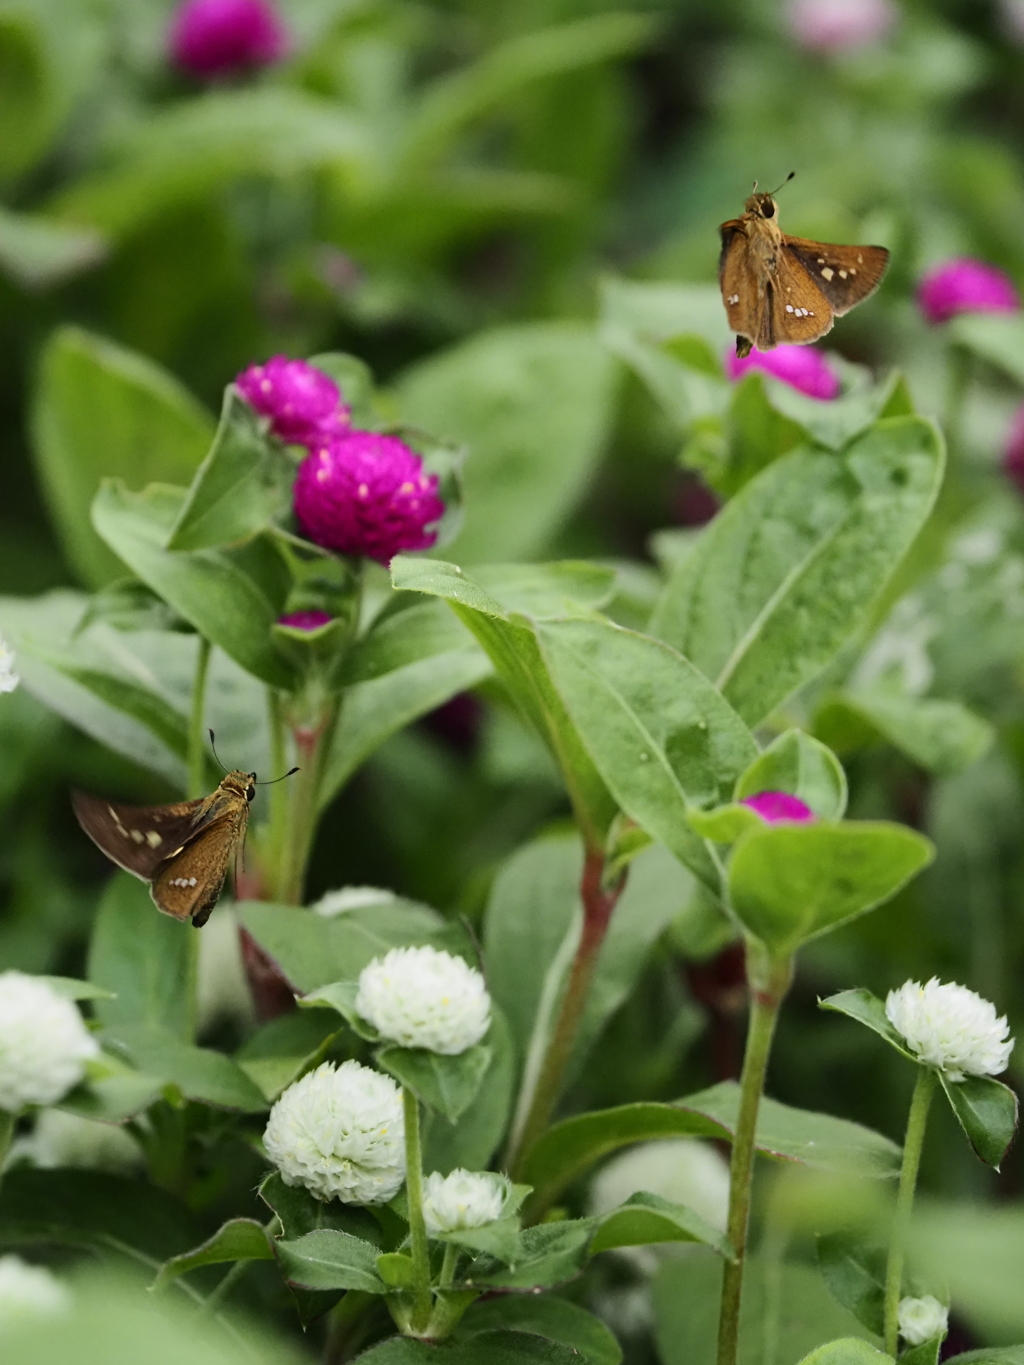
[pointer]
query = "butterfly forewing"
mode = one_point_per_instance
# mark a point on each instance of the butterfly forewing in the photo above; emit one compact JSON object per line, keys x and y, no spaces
{"x":796,"y":309}
{"x":188,"y":885}
{"x":138,"y":838}
{"x":739,"y":287}
{"x":846,"y":275}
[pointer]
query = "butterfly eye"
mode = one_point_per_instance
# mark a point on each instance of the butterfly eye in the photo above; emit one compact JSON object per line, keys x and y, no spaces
{"x":767,"y":209}
{"x":250,"y":792}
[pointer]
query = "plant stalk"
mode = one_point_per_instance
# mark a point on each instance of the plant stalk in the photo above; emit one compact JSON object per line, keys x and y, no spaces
{"x":598,"y":904}
{"x":196,"y":730}
{"x":917,"y":1121}
{"x":312,"y":744}
{"x":422,"y":1300}
{"x":451,"y":1256}
{"x":769,"y":982}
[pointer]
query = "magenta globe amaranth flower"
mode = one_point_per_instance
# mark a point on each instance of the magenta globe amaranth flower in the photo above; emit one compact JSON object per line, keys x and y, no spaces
{"x":839,"y":25}
{"x":212,"y":38}
{"x":367,"y":494}
{"x":776,"y":806}
{"x":965,"y":286}
{"x":801,"y":367}
{"x":305,"y":620}
{"x":304,"y":404}
{"x":1013,"y":454}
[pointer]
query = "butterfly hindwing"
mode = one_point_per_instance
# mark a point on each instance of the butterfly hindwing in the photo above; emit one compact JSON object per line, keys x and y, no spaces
{"x":138,"y":838}
{"x":797,"y":311}
{"x":739,"y":290}
{"x":846,"y":275}
{"x":188,"y":884}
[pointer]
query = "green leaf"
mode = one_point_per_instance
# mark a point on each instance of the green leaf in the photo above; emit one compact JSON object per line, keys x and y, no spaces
{"x":142,"y":958}
{"x":645,"y":1219}
{"x":976,"y":1251}
{"x":847,"y":1351}
{"x":312,"y":951}
{"x":420,"y":630}
{"x":802,"y":766}
{"x":239,"y":1239}
{"x":549,"y":1254}
{"x":198,"y":1073}
{"x":232,"y":597}
{"x":997,"y":338}
{"x":447,"y":1084}
{"x":112,"y":1097}
{"x":473,"y":1140}
{"x":867,"y":1009}
{"x":29,"y":104}
{"x":516,"y":395}
{"x":990,"y":1355}
{"x":855,"y":1273}
{"x":70,"y":989}
{"x":285,"y":1048}
{"x":925,"y":1354}
{"x":485,"y":1348}
{"x":724,"y":824}
{"x":544,"y":591}
{"x":100,"y":411}
{"x":660,"y":735}
{"x":789,"y":570}
{"x":943,"y":737}
{"x":755,"y":434}
{"x":820,"y":1141}
{"x":500,"y":1239}
{"x":988,"y":1112}
{"x":790,"y":883}
{"x":301,"y":1212}
{"x":243,"y":483}
{"x":397,"y":1270}
{"x":38,"y":252}
{"x":328,"y":1259}
{"x":546,"y":1315}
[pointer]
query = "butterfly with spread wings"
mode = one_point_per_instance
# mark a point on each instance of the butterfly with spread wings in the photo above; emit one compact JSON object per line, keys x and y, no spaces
{"x":779,"y":289}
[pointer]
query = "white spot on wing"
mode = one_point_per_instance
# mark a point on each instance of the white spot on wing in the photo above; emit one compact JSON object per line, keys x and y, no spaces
{"x":827,"y":273}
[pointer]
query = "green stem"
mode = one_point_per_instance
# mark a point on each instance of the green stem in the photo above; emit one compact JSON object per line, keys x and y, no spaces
{"x":278,"y":794}
{"x":916,"y":1123}
{"x":224,"y":1287}
{"x":769,"y":981}
{"x":346,"y":1326}
{"x":196,"y":731}
{"x":417,"y":1227}
{"x":598,"y":904}
{"x":7,"y":1122}
{"x":451,"y":1257}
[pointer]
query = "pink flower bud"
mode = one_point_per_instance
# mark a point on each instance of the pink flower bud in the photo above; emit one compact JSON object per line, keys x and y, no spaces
{"x":801,"y":367}
{"x":1013,"y":455}
{"x":212,"y":38}
{"x":367,"y":494}
{"x":305,"y":620}
{"x":838,"y":25}
{"x":776,"y":806}
{"x":965,"y":286}
{"x":303,"y":404}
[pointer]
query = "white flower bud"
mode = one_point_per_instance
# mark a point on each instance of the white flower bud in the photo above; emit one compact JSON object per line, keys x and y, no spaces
{"x":8,"y":675}
{"x":61,"y":1139}
{"x":951,"y":1028}
{"x":28,"y":1291}
{"x":421,"y":997}
{"x":462,"y":1199}
{"x":348,"y":898}
{"x":341,"y":1133}
{"x":44,"y":1044}
{"x":922,"y":1320}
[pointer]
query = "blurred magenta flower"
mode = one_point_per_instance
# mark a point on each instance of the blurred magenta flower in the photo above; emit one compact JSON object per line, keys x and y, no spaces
{"x":1013,"y":454}
{"x":305,"y":620}
{"x":367,"y":494}
{"x":964,"y":285}
{"x":837,"y":25}
{"x":303,"y":404}
{"x":775,"y":806}
{"x":801,"y":367}
{"x":212,"y":38}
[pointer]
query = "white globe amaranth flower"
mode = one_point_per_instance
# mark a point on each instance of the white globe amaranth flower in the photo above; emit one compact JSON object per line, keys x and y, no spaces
{"x":44,"y":1044}
{"x":922,"y":1320}
{"x":462,"y":1199}
{"x":422,"y":997}
{"x":61,"y":1139}
{"x":8,"y":674}
{"x":950,"y":1027}
{"x":340,"y":1132}
{"x":29,"y":1291}
{"x":347,"y":898}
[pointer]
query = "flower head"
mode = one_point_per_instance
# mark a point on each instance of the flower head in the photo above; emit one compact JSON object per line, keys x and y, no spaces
{"x":305,"y":620}
{"x":29,"y":1291}
{"x":965,"y":286}
{"x":801,"y":367}
{"x":8,"y":676}
{"x":950,"y":1027}
{"x":304,"y":404}
{"x":340,"y":1132}
{"x":367,"y":494}
{"x":922,"y":1320}
{"x":462,"y":1199}
{"x":838,"y":25}
{"x":61,"y":1139}
{"x":44,"y":1044}
{"x":347,"y":898}
{"x":212,"y":38}
{"x":1013,"y":452}
{"x":421,"y":997}
{"x":775,"y":806}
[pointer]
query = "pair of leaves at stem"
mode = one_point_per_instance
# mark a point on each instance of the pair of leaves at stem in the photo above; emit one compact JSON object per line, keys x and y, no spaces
{"x":854,"y":1271}
{"x":986,"y":1109}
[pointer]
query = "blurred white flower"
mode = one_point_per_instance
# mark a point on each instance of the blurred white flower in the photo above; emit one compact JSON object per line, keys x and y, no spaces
{"x":341,"y":1133}
{"x":922,"y":1320}
{"x":950,"y":1027}
{"x":8,"y":675}
{"x":44,"y":1044}
{"x":421,"y":997}
{"x":222,"y":988}
{"x":1012,"y":16}
{"x":836,"y":25}
{"x":61,"y":1139}
{"x":28,"y":1291}
{"x":351,"y":898}
{"x":462,"y":1199}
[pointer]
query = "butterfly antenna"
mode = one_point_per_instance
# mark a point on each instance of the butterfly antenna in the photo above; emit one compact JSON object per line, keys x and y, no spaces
{"x":215,"y":753}
{"x":785,"y":182}
{"x":277,"y":779}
